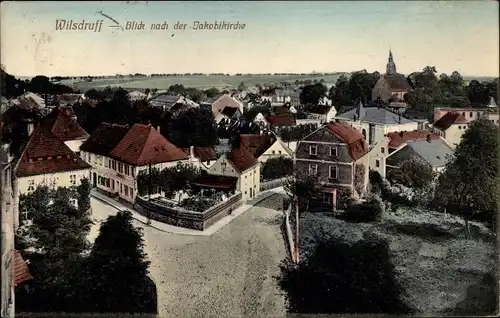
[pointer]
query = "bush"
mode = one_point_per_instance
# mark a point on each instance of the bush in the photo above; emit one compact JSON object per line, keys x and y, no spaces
{"x":375,"y":181}
{"x":368,"y":211}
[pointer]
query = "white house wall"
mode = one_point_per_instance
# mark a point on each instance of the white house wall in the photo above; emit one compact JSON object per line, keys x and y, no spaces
{"x":218,"y":168}
{"x":55,"y":180}
{"x":250,"y":182}
{"x":74,"y":145}
{"x":275,"y":151}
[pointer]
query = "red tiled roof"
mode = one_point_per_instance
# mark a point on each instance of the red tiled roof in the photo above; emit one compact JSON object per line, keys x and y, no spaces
{"x":219,"y":182}
{"x":203,"y":153}
{"x":255,"y":144}
{"x":281,"y":120}
{"x":42,"y":146}
{"x":144,"y":145}
{"x":396,"y":139}
{"x":355,"y":141}
{"x":242,"y":159}
{"x":449,"y":119}
{"x":280,"y":110}
{"x":20,"y":271}
{"x":104,"y":139}
{"x":63,"y":126}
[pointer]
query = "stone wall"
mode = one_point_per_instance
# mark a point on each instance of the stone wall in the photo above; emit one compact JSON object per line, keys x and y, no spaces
{"x":268,"y":185}
{"x":181,"y":217}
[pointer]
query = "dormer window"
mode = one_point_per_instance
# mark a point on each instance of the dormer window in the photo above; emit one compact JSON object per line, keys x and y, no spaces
{"x":40,"y":158}
{"x":59,"y":157}
{"x":49,"y":157}
{"x":313,"y":150}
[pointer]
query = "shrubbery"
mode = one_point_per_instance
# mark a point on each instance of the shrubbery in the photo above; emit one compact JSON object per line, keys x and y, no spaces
{"x":367,"y":211}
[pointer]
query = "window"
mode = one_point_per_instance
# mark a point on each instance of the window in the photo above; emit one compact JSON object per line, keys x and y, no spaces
{"x":31,"y":185}
{"x":274,"y":152}
{"x":126,"y":190}
{"x":279,"y":151}
{"x":126,"y":170}
{"x":100,"y":160}
{"x":313,"y":150}
{"x":120,"y":167}
{"x":72,"y":179}
{"x":463,"y":114}
{"x":382,"y":150}
{"x":106,"y":163}
{"x":364,"y":133}
{"x":327,"y":198}
{"x":470,"y":114}
{"x":377,"y":163}
{"x":313,"y":169}
{"x":333,"y":172}
{"x":333,"y":151}
{"x":113,"y":165}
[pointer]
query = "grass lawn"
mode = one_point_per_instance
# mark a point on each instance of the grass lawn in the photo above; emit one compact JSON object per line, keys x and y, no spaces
{"x":197,"y":81}
{"x":442,"y":272}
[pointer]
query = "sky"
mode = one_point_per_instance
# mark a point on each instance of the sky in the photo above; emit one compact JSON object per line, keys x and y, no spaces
{"x":279,"y":37}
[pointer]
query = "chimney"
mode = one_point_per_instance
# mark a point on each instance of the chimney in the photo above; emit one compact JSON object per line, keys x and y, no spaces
{"x":191,"y":152}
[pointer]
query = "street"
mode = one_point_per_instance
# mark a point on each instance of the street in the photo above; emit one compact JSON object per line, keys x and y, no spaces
{"x":228,"y":274}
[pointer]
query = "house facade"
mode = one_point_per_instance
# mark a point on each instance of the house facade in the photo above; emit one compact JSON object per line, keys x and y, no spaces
{"x":47,"y":160}
{"x":337,"y":155}
{"x":118,"y":154}
{"x":323,"y":113}
{"x":265,"y":146}
{"x":490,"y":112}
{"x":451,"y":127}
{"x":375,"y":123}
{"x":239,"y":163}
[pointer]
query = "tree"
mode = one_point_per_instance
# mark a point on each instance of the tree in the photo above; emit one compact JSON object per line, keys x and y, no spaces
{"x":304,"y":189}
{"x":469,"y":185}
{"x":413,"y":174}
{"x":194,"y":94}
{"x":177,"y":89}
{"x":311,"y":94}
{"x":340,"y":93}
{"x":119,"y":269}
{"x":191,"y":127}
{"x":83,"y":196}
{"x":178,"y":178}
{"x":342,"y":278}
{"x":275,"y":168}
{"x":242,"y":87}
{"x":212,"y":92}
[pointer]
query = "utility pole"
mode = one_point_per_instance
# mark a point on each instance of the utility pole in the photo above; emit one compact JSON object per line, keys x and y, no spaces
{"x":297,"y":240}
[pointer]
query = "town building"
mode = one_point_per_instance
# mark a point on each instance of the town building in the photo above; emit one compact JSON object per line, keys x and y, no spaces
{"x":243,"y":167}
{"x":323,"y":113}
{"x":433,"y":152}
{"x":337,"y":155}
{"x":224,"y":101}
{"x":451,"y":127}
{"x":203,"y":157}
{"x":172,"y":102}
{"x":375,"y":123}
{"x":489,"y":112}
{"x":276,"y":122}
{"x":265,"y":146}
{"x":118,"y":154}
{"x":391,"y":87}
{"x":228,"y":115}
{"x":397,"y":140}
{"x":47,"y":160}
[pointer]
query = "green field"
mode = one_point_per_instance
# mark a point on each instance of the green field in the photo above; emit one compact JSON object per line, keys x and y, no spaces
{"x":198,"y":81}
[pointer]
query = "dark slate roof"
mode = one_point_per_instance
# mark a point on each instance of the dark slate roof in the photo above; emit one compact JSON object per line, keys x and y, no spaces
{"x":449,"y":119}
{"x":398,"y":82}
{"x":229,"y":111}
{"x":435,"y":151}
{"x":104,"y":139}
{"x":374,"y":115}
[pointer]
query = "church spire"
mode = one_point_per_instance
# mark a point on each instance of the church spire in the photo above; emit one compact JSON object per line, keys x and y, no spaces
{"x":391,"y":66}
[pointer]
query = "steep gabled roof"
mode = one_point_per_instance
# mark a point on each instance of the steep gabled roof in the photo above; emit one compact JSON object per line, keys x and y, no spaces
{"x":374,"y":115}
{"x":61,"y":125}
{"x":449,"y":119}
{"x":241,"y":159}
{"x":104,"y":139}
{"x":355,"y":141}
{"x":202,"y":153}
{"x":435,"y":152}
{"x":397,"y":82}
{"x":256,"y":144}
{"x":281,"y":110}
{"x":20,"y":270}
{"x":229,"y":111}
{"x":396,"y":139}
{"x":281,"y":120}
{"x":143,"y":145}
{"x":46,"y":154}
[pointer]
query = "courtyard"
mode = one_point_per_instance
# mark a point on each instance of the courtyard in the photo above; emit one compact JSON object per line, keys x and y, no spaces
{"x":227,"y":274}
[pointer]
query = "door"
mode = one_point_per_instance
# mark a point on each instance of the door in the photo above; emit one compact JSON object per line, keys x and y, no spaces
{"x":94,"y":179}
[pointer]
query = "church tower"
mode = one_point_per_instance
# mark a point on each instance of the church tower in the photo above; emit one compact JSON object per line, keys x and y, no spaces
{"x":390,"y":69}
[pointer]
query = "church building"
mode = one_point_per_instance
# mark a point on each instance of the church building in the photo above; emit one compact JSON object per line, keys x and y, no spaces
{"x":391,"y":87}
